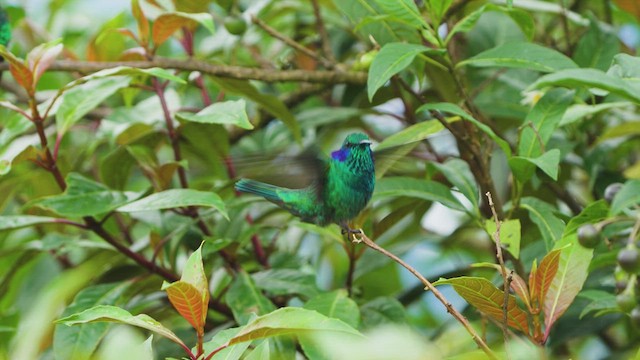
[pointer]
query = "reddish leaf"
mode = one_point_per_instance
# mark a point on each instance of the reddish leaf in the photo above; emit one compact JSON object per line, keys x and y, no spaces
{"x":571,"y":274}
{"x":143,"y":23}
{"x":189,"y":303}
{"x":190,"y":295}
{"x":166,"y":24}
{"x":532,"y":291}
{"x":19,"y":70}
{"x":486,"y":297}
{"x":41,"y":57}
{"x":545,"y":274}
{"x":128,"y":33}
{"x":133,"y":54}
{"x":519,"y":286}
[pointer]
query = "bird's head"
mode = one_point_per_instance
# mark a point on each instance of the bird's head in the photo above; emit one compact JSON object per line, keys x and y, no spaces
{"x":355,"y":144}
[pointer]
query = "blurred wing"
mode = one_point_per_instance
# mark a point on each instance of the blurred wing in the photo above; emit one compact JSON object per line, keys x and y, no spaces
{"x":293,"y":172}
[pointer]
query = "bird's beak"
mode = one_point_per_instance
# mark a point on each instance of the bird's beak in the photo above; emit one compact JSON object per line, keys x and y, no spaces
{"x":363,"y":142}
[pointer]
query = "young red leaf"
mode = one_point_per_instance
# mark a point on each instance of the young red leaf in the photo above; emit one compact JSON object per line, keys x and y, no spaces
{"x":545,"y":274}
{"x":19,"y":70}
{"x":571,"y":274}
{"x":486,"y":297}
{"x":190,"y":295}
{"x":166,"y":24}
{"x":41,"y":57}
{"x":519,"y":286}
{"x":143,"y":23}
{"x":188,"y":301}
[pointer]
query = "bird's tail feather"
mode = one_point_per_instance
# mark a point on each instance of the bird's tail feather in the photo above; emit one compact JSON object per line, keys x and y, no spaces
{"x":267,"y":191}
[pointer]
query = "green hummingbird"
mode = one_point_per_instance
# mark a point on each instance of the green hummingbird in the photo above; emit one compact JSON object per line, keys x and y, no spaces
{"x":341,"y":189}
{"x":5,"y":28}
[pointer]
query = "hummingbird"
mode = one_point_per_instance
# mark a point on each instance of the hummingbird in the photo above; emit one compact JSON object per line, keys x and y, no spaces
{"x":341,"y":188}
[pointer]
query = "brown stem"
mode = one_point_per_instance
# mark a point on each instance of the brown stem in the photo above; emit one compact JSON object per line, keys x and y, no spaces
{"x":294,"y":44}
{"x":223,"y":71}
{"x":503,"y":271}
{"x":429,"y":286}
{"x":326,"y":44}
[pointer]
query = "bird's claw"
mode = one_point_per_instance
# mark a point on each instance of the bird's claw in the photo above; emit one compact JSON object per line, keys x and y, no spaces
{"x":353,"y":234}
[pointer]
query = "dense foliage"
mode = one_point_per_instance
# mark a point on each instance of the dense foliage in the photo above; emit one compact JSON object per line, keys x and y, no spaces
{"x":508,"y":179}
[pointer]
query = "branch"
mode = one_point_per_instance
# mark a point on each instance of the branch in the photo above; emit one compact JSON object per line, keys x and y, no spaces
{"x":224,"y":71}
{"x":428,"y":286}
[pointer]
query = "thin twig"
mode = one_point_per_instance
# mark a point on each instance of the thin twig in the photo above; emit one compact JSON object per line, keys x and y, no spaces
{"x":294,"y":44}
{"x":428,"y":286}
{"x":503,"y":270}
{"x":326,"y":44}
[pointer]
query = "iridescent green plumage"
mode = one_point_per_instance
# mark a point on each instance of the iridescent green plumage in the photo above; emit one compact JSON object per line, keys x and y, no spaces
{"x":341,"y":190}
{"x":5,"y":28}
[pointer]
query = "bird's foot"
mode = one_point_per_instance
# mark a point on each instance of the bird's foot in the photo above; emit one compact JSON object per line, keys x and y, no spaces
{"x":352,"y":234}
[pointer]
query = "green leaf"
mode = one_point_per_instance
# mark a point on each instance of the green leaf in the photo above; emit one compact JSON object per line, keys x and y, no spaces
{"x":13,"y":126}
{"x":521,"y":55}
{"x":628,"y":196}
{"x":543,"y":215}
{"x":594,"y":212}
{"x":588,"y":78}
{"x":602,"y":302}
{"x":272,"y":104}
{"x":126,"y":70}
{"x":84,"y":197}
{"x":286,"y":282}
{"x":456,"y":110}
{"x":77,"y":102}
{"x":404,"y":10}
{"x":19,"y":221}
{"x":174,"y":198}
{"x":488,"y":299}
{"x":597,"y":47}
{"x":571,"y":275}
{"x":465,"y":24}
{"x":416,"y":188}
{"x":382,"y":311}
{"x":413,"y":133}
{"x":227,"y":112}
{"x":631,"y":128}
{"x":221,"y":338}
{"x":438,"y":8}
{"x":244,"y":298}
{"x":109,"y":313}
{"x":579,"y":111}
{"x":338,"y":305}
{"x":523,"y":167}
{"x":459,"y":175}
{"x":291,"y":320}
{"x":509,"y":235}
{"x":79,"y":342}
{"x":392,"y":58}
{"x":544,"y":118}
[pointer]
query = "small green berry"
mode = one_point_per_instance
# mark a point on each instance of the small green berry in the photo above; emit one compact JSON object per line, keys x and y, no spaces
{"x":626,"y":301}
{"x":629,"y":260}
{"x":589,"y":236}
{"x":235,"y":25}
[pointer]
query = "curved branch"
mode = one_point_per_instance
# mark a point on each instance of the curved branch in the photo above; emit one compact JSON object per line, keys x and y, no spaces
{"x":225,"y":71}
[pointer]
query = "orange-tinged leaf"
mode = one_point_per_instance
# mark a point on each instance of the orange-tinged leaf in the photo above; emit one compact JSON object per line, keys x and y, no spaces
{"x":519,"y":286}
{"x":571,"y":274}
{"x":545,"y":274}
{"x":486,"y":297}
{"x":41,"y":57}
{"x":166,"y":24}
{"x":143,"y":23}
{"x":190,"y":295}
{"x":189,"y":302}
{"x":19,"y":70}
{"x":532,"y":276}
